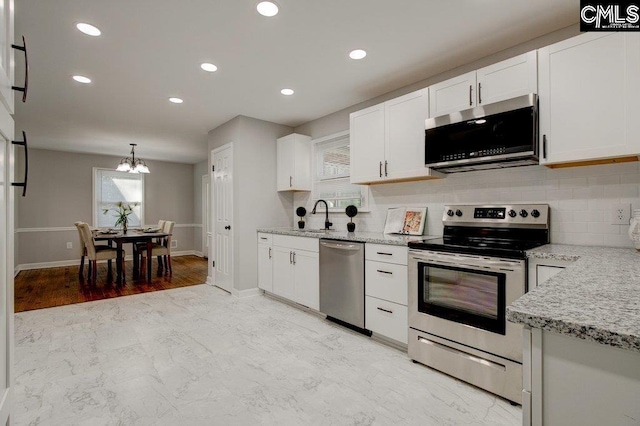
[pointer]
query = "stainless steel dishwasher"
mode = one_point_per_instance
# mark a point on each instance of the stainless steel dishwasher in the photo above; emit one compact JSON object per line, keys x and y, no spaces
{"x":342,"y":282}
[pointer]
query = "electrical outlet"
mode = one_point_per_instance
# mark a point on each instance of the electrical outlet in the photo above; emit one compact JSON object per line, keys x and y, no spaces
{"x":620,"y":214}
{"x":69,"y":245}
{"x":174,"y":243}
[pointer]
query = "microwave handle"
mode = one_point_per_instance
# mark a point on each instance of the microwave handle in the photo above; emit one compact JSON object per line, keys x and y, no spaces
{"x":544,"y":146}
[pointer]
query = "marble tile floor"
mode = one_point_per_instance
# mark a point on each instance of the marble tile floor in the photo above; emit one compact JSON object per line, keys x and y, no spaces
{"x":197,"y":356}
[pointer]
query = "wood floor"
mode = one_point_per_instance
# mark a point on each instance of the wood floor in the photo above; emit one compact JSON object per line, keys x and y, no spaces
{"x":45,"y":288}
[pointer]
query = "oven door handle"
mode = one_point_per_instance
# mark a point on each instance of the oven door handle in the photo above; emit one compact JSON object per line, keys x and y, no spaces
{"x":469,"y":262}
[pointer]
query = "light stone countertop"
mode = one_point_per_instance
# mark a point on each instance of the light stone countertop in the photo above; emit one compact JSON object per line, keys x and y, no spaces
{"x":362,"y":237}
{"x":596,"y":298}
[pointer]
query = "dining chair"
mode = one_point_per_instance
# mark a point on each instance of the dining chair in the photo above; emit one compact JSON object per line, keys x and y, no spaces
{"x":83,"y":251}
{"x":95,"y":253}
{"x":162,"y":251}
{"x":140,"y":247}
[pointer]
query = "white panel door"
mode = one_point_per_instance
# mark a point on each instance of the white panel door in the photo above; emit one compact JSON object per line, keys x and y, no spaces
{"x":223,"y":191}
{"x":367,"y":145}
{"x":7,"y":55}
{"x":6,"y":262}
{"x":404,"y":135}
{"x":283,"y":283}
{"x":507,"y":79}
{"x":265,"y":267}
{"x":205,"y":216}
{"x":307,"y":278}
{"x":589,"y":91}
{"x":453,"y":95}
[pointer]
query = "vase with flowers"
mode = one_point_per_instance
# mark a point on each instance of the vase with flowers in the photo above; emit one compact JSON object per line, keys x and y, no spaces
{"x":121,"y":211}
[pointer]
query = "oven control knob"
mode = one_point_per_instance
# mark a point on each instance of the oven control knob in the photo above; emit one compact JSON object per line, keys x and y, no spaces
{"x":449,"y":212}
{"x":512,"y":213}
{"x":535,"y":213}
{"x":524,"y":213}
{"x":458,"y":213}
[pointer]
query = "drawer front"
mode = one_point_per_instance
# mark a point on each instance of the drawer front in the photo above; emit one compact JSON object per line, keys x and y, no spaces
{"x":386,"y":253}
{"x":386,"y":318}
{"x":264,"y":238}
{"x":296,"y":243}
{"x":386,"y":281}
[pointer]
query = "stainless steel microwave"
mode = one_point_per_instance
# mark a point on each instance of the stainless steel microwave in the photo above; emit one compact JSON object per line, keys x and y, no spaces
{"x":498,"y":135}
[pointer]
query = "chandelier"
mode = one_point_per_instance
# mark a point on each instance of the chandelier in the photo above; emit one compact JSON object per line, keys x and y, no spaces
{"x":132,"y":164}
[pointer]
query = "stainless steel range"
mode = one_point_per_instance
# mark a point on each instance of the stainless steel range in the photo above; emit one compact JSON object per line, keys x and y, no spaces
{"x":460,"y":286}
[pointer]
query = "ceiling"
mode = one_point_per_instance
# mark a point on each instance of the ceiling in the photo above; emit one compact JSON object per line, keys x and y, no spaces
{"x":151,"y":50}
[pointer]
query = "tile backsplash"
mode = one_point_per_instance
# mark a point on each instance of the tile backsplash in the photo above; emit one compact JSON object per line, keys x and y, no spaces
{"x":581,"y":199}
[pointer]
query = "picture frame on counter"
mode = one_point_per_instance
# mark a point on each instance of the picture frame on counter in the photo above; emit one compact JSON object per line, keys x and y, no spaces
{"x":405,"y":220}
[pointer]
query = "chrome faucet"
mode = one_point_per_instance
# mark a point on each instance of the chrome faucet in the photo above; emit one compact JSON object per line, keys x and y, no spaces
{"x":327,"y":224}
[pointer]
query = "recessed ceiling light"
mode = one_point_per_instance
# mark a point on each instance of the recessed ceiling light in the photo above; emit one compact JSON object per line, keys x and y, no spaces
{"x":88,"y":29}
{"x":82,"y":79}
{"x":176,"y":100}
{"x":209,"y":67}
{"x":267,"y":8}
{"x":287,"y":92}
{"x":357,"y":54}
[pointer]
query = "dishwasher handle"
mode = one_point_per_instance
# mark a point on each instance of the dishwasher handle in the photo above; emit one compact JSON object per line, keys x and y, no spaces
{"x":341,"y":246}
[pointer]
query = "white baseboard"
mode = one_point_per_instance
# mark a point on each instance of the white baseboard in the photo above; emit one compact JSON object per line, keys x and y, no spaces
{"x":243,"y":294}
{"x":198,"y":253}
{"x":209,"y":280}
{"x":75,"y":262}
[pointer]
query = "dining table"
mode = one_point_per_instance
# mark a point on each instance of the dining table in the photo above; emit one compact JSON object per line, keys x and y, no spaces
{"x":133,"y":236}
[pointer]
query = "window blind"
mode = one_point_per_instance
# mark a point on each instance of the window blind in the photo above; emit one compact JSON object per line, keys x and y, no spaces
{"x":111,"y":187}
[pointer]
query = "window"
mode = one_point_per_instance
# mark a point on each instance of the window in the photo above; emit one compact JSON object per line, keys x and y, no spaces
{"x":331,"y":175}
{"x":109,"y":187}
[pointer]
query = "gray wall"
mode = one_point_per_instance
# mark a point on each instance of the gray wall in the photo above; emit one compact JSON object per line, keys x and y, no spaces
{"x":256,"y":201}
{"x":60,"y":193}
{"x":199,"y":169}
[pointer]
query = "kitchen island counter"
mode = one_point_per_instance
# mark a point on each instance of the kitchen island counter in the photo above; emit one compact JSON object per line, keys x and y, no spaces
{"x":596,"y":298}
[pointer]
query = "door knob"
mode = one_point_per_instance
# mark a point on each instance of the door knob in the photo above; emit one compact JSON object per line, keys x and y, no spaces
{"x":227,"y":227}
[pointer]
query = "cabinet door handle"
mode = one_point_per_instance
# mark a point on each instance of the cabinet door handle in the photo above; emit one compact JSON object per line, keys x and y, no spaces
{"x":384,"y":272}
{"x":479,"y":93}
{"x":291,"y":257}
{"x":544,"y":146}
{"x":263,"y":238}
{"x":385,"y":168}
{"x":26,"y":70}
{"x":470,"y":95}
{"x":294,"y":257}
{"x":23,"y":143}
{"x":290,"y":181}
{"x":384,"y":310}
{"x":383,"y":253}
{"x":269,"y":252}
{"x":380,"y":169}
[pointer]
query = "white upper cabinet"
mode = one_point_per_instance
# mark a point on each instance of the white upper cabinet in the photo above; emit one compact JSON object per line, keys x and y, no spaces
{"x":453,"y":95}
{"x":507,"y":79}
{"x":387,"y":140}
{"x":504,"y":80}
{"x":589,"y":91}
{"x":294,"y":163}
{"x":366,"y":144}
{"x":7,"y":55}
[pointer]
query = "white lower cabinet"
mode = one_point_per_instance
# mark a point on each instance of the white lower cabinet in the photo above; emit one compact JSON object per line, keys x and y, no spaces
{"x":386,"y":291}
{"x":386,"y":318}
{"x":572,"y":381}
{"x":296,"y":270}
{"x":541,"y":270}
{"x":265,"y":262}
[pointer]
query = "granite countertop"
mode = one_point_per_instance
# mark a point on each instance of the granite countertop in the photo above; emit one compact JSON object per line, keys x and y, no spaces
{"x":362,"y":237}
{"x":595,"y":298}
